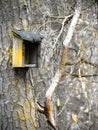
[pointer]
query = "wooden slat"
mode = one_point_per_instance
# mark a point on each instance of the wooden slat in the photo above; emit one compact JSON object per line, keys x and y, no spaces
{"x":17,"y":53}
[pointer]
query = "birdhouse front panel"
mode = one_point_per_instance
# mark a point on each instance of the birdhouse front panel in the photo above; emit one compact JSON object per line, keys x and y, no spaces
{"x":18,"y":58}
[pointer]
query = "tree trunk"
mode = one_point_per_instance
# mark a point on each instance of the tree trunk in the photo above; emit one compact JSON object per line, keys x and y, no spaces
{"x":75,"y":102}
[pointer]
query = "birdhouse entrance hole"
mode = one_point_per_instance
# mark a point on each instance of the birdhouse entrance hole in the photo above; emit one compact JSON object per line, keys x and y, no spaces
{"x":30,"y":54}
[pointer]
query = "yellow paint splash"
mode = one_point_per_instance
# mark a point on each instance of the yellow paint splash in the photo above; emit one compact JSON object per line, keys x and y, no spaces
{"x":74,"y":117}
{"x":83,"y":85}
{"x":58,"y":102}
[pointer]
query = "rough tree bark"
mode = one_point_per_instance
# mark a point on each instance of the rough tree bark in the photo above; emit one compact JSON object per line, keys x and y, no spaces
{"x":17,"y":107}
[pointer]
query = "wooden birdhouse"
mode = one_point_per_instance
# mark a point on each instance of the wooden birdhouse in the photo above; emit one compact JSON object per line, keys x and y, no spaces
{"x":26,"y":48}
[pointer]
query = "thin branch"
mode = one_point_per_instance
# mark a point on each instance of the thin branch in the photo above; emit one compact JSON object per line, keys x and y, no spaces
{"x":62,"y":28}
{"x":47,"y":110}
{"x":73,"y":24}
{"x":63,"y":107}
{"x":56,"y":17}
{"x":58,"y":75}
{"x":40,"y":108}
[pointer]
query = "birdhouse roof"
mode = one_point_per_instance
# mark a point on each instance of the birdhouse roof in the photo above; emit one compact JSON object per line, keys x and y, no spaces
{"x":31,"y":36}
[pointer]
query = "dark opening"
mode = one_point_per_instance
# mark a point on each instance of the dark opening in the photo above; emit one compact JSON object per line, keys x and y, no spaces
{"x":30,"y":54}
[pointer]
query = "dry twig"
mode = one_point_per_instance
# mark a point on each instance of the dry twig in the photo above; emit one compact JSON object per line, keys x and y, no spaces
{"x":62,"y":28}
{"x":55,"y":81}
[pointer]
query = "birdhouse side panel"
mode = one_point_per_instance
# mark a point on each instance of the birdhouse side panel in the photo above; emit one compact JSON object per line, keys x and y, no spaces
{"x":18,"y":58}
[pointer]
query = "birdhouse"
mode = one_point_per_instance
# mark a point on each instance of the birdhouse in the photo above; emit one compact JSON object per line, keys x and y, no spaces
{"x":26,"y":48}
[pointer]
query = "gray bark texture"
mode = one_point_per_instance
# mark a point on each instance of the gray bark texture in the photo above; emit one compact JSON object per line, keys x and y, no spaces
{"x":75,"y":101}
